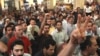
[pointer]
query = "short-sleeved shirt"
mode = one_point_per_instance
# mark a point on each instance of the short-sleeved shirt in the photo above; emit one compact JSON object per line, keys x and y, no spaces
{"x":25,"y":40}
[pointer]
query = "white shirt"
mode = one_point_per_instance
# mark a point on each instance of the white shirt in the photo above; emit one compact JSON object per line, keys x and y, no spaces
{"x":88,"y":9}
{"x":59,"y":37}
{"x":64,"y":25}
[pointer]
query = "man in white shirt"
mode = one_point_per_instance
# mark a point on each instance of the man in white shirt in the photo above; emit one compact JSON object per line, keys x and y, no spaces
{"x":59,"y":35}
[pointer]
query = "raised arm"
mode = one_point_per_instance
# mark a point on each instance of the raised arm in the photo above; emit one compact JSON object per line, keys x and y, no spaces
{"x":43,"y":23}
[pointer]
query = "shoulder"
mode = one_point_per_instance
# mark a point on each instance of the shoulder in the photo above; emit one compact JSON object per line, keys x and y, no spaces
{"x":55,"y":31}
{"x":12,"y":38}
{"x":4,"y":37}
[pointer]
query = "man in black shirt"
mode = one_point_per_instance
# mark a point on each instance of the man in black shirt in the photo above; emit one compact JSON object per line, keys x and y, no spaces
{"x":48,"y":48}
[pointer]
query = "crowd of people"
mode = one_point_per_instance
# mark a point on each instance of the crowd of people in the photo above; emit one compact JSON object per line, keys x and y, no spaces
{"x":38,"y":31}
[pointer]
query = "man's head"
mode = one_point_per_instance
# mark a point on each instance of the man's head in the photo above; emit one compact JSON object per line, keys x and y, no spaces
{"x":49,"y":47}
{"x":17,"y":48}
{"x":59,"y":25}
{"x":53,"y":21}
{"x":46,"y":28}
{"x":89,"y":45}
{"x":9,"y":30}
{"x":89,"y":26}
{"x":70,"y":19}
{"x":24,"y":25}
{"x":7,"y":20}
{"x":48,"y":21}
{"x":60,"y":17}
{"x":20,"y":21}
{"x":32,"y":22}
{"x":18,"y":30}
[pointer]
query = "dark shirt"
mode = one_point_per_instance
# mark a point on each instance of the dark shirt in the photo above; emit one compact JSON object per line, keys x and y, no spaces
{"x":40,"y":53}
{"x":4,"y":39}
{"x":42,"y":38}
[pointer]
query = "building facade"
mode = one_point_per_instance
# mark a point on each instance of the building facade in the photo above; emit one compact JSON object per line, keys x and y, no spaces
{"x":5,"y":4}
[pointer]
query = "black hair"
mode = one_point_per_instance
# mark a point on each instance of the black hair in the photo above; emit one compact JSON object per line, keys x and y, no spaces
{"x":31,"y":19}
{"x":46,"y":25}
{"x":86,"y":43}
{"x":16,"y":26}
{"x":12,"y":24}
{"x":16,"y":42}
{"x":53,"y":18}
{"x":47,"y":42}
{"x":70,"y":17}
{"x":8,"y":27}
{"x":20,"y":20}
{"x":58,"y":22}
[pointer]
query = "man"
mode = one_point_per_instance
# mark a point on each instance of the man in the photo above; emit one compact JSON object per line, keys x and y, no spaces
{"x":59,"y":35}
{"x":25,"y":32}
{"x":88,"y":31}
{"x":44,"y":34}
{"x":18,"y":34}
{"x":17,"y":49}
{"x":52,"y":26}
{"x":89,"y":46}
{"x":32,"y":27}
{"x":48,"y":48}
{"x":8,"y":34}
{"x":68,"y":25}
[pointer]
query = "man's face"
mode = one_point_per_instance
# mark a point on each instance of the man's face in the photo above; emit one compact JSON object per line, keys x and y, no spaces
{"x":18,"y":50}
{"x":49,"y":21}
{"x":32,"y":22}
{"x":7,"y":20}
{"x":53,"y":22}
{"x":24,"y":26}
{"x":94,"y":28}
{"x":71,"y":20}
{"x":9,"y":31}
{"x":89,"y":26}
{"x":93,"y":47}
{"x":59,"y":26}
{"x":19,"y":31}
{"x":46,"y":28}
{"x":50,"y":50}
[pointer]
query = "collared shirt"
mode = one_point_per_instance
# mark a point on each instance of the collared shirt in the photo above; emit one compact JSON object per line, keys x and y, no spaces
{"x":88,"y":33}
{"x":59,"y":37}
